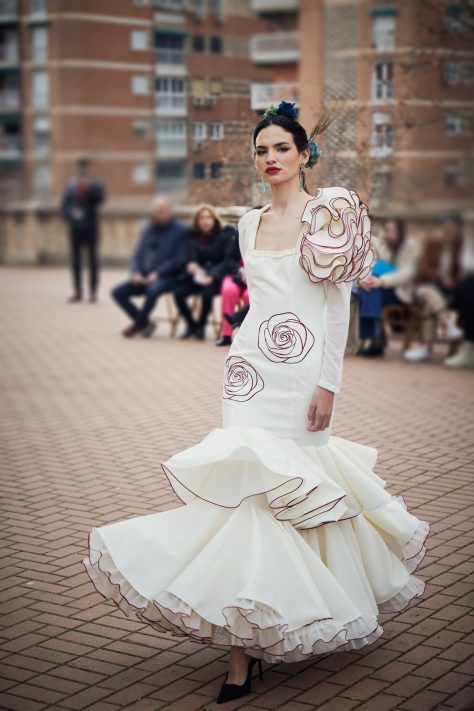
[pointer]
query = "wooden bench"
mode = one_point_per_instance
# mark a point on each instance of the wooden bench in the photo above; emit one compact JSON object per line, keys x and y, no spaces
{"x":404,"y":321}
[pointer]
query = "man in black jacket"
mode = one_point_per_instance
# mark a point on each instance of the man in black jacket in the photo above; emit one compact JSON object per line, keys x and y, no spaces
{"x":153,"y":268}
{"x":80,"y":203}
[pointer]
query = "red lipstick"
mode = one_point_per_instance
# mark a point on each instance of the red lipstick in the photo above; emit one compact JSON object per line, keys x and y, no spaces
{"x":271,"y":171}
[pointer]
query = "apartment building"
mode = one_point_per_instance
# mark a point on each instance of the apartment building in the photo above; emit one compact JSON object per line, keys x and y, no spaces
{"x":398,"y":77}
{"x":164,"y":94}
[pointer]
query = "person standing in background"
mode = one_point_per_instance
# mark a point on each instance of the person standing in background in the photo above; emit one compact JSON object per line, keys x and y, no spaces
{"x":80,"y":204}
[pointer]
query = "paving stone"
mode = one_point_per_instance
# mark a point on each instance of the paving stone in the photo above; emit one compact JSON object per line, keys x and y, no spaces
{"x":86,"y":419}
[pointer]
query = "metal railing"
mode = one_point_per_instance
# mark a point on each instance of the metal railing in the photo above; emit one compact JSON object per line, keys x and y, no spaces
{"x":262,"y":95}
{"x":275,"y":47}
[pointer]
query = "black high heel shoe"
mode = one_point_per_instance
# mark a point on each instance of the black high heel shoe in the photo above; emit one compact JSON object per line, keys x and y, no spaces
{"x":229,"y":692}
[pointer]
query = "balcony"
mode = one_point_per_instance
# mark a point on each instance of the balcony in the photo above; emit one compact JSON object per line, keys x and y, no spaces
{"x":263,"y":95}
{"x":170,"y":62}
{"x":8,"y":11}
{"x":10,"y":149}
{"x":9,"y":53}
{"x":275,"y":5}
{"x":10,"y":100}
{"x":171,"y":148}
{"x":275,"y":48}
{"x":176,"y":5}
{"x":170,"y":105}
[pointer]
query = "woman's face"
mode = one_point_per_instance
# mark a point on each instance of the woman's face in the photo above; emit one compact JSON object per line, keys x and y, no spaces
{"x":391,"y":233}
{"x":275,"y":151}
{"x":205,"y":221}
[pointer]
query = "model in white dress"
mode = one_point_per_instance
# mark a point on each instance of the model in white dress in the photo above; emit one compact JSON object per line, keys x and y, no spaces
{"x":288,"y":544}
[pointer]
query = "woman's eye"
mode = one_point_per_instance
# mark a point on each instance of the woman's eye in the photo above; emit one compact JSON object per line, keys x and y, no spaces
{"x":284,"y":149}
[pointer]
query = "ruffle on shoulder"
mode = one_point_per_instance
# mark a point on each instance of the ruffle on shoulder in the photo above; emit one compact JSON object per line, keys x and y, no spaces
{"x":337,"y":246}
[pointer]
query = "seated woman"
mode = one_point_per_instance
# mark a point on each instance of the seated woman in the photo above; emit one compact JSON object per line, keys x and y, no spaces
{"x":437,"y":278}
{"x":234,"y":288}
{"x":391,"y":282}
{"x":203,"y":266}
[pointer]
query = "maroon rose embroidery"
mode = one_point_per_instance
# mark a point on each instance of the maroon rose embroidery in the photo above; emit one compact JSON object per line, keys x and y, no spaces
{"x":337,"y":246}
{"x":284,"y":338}
{"x":241,"y":380}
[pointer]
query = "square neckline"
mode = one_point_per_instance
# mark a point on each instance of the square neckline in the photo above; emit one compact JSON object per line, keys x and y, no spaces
{"x":289,"y":250}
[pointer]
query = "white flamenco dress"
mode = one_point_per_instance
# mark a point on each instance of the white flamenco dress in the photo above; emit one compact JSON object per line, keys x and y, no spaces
{"x":288,"y":543}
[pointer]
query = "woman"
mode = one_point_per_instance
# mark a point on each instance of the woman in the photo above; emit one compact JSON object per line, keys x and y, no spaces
{"x":288,"y":546}
{"x":437,"y":281}
{"x":233,"y":290}
{"x":204,"y":265}
{"x":391,"y":282}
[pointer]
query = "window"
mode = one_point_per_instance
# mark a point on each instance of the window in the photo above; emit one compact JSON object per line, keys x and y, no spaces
{"x":139,"y":39}
{"x":216,"y":171}
{"x":141,"y":174}
{"x":169,"y":48}
{"x":42,"y":179}
{"x":381,"y":184}
{"x":467,"y":73}
{"x":216,"y":130}
{"x":171,"y":131}
{"x":199,"y":171}
{"x":39,"y":44}
{"x":38,"y":7}
{"x":382,"y":134}
{"x":215,"y":45}
{"x":383,"y":33}
{"x":198,"y":43}
{"x":199,"y":130}
{"x":140,"y":84}
{"x":40,"y":93}
{"x":198,"y":9}
{"x":215,"y":87}
{"x":382,"y":81}
{"x":451,"y":73}
{"x":453,"y":124}
{"x":141,"y":129}
{"x":451,"y":174}
{"x":42,"y":135}
{"x":169,"y":172}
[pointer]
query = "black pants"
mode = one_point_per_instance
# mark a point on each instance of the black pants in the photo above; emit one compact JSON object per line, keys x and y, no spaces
{"x":78,"y":243}
{"x":462,"y":301}
{"x":188,"y":287}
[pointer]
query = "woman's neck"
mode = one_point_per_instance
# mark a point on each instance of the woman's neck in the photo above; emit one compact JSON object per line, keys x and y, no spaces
{"x":286,"y":197}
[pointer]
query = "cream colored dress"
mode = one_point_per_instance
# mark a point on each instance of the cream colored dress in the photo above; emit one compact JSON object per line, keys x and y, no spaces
{"x":288,"y":543}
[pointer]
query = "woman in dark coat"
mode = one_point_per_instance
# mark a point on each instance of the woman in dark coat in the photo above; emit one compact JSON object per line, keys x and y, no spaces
{"x":204,"y":266}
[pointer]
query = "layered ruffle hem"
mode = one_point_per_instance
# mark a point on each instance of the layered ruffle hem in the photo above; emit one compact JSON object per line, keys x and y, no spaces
{"x":289,"y":551}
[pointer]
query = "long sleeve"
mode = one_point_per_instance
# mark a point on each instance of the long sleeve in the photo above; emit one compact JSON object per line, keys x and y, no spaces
{"x":337,"y":316}
{"x":407,"y":266}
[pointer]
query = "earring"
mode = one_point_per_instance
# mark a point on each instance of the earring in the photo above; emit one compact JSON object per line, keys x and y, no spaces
{"x":301,"y":174}
{"x":263,"y":186}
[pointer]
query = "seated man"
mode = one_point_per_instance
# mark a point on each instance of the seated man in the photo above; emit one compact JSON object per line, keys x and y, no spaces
{"x":154,"y":267}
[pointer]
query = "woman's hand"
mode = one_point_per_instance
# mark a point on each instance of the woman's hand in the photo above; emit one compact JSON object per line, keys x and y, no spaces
{"x":192,"y":267}
{"x":320,"y":409}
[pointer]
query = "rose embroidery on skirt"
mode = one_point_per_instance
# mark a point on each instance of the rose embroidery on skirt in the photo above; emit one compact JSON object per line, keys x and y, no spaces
{"x":284,"y":338}
{"x":241,"y":380}
{"x":337,"y":246}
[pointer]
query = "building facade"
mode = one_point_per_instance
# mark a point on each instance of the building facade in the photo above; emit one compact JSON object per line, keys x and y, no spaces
{"x":164,"y":95}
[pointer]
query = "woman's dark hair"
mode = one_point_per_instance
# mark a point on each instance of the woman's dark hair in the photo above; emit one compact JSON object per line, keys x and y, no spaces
{"x":287,"y":124}
{"x":400,"y":226}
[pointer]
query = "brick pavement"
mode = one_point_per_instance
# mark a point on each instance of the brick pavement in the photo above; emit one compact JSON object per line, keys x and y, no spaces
{"x":86,"y":419}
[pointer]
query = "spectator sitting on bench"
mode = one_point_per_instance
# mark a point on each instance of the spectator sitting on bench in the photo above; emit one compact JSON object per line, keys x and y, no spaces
{"x":437,"y":277}
{"x":203,"y":267}
{"x":391,"y":282}
{"x":154,"y":267}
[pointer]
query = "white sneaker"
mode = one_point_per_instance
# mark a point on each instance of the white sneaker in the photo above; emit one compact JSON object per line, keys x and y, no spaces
{"x":464,"y":358}
{"x":413,"y":355}
{"x":453,"y":332}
